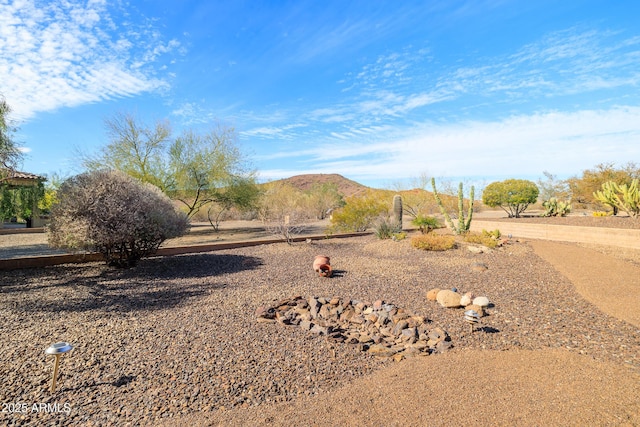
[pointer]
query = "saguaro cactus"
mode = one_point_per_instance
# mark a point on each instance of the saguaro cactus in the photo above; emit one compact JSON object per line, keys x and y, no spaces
{"x":463,"y":224}
{"x":397,"y":210}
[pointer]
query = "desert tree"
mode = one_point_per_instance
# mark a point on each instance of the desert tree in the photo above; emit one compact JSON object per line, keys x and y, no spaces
{"x":552,"y":187}
{"x":590,"y":182}
{"x":284,"y":210}
{"x":239,"y":192}
{"x":135,"y":148}
{"x":10,"y":154}
{"x":208,"y":168}
{"x":324,"y":197}
{"x":512,"y":195}
{"x":114,"y":214}
{"x":191,"y":168}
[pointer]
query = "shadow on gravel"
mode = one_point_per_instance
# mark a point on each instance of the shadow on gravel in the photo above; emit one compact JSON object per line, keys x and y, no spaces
{"x":156,"y":283}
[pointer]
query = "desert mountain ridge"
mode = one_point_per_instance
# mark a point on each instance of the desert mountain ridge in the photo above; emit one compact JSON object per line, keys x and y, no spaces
{"x":345,"y":186}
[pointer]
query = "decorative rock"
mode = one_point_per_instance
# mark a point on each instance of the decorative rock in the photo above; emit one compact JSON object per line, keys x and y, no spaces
{"x":475,"y":249}
{"x":465,"y":300}
{"x":387,"y":331}
{"x":432,"y":294}
{"x":448,"y":299}
{"x":481,"y":301}
{"x":478,"y":266}
{"x":475,"y":308}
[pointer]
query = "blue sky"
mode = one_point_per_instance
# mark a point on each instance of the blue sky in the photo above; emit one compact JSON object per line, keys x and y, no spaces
{"x":378,"y":91}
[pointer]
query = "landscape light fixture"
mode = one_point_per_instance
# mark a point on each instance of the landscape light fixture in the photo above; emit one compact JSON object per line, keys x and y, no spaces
{"x":471,"y":317}
{"x":57,"y":350}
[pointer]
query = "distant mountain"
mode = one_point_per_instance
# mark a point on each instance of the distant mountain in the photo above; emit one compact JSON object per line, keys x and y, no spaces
{"x":345,"y":186}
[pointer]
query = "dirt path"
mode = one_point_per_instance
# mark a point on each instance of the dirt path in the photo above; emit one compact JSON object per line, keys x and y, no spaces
{"x":610,"y":284}
{"x":523,"y":388}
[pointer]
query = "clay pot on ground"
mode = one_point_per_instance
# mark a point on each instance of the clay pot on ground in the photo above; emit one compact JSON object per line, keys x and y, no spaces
{"x":322,"y":266}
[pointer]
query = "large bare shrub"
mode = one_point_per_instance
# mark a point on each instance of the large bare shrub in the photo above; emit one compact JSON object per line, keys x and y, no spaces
{"x":111,"y":213}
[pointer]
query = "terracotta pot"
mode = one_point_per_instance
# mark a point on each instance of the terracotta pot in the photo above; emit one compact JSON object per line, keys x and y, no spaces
{"x":322,"y":266}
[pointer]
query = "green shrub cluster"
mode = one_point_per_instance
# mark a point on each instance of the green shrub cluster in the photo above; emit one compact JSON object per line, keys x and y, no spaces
{"x":386,"y":228}
{"x":433,"y":242}
{"x":358,"y":214}
{"x":426,"y":223}
{"x":486,"y":238}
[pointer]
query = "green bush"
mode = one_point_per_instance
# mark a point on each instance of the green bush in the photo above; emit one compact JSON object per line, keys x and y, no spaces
{"x":399,"y":236}
{"x":426,"y":223}
{"x":494,"y":234}
{"x":433,"y":242}
{"x":485,"y":239}
{"x":358,"y":214}
{"x":111,"y":213}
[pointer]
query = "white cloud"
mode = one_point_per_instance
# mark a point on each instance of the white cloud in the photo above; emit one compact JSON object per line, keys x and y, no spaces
{"x":68,"y":53}
{"x":272,"y":132}
{"x":527,"y":144}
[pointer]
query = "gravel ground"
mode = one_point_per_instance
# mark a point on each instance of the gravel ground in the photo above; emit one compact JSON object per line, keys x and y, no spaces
{"x":177,"y":335}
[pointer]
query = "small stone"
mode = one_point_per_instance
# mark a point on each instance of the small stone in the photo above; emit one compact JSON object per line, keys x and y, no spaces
{"x":380,"y":350}
{"x":475,"y":249}
{"x":475,"y":308}
{"x":437,"y":334}
{"x":358,"y":319}
{"x":325,"y":312}
{"x":398,"y":357}
{"x":400,"y":326}
{"x":443,"y":346}
{"x":433,"y":294}
{"x":364,"y":338}
{"x":305,"y":325}
{"x":465,"y":300}
{"x":478,"y":266}
{"x":409,"y":333}
{"x":448,"y":299}
{"x":378,"y":305}
{"x":320,"y":330}
{"x":265,"y":312}
{"x":481,"y":301}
